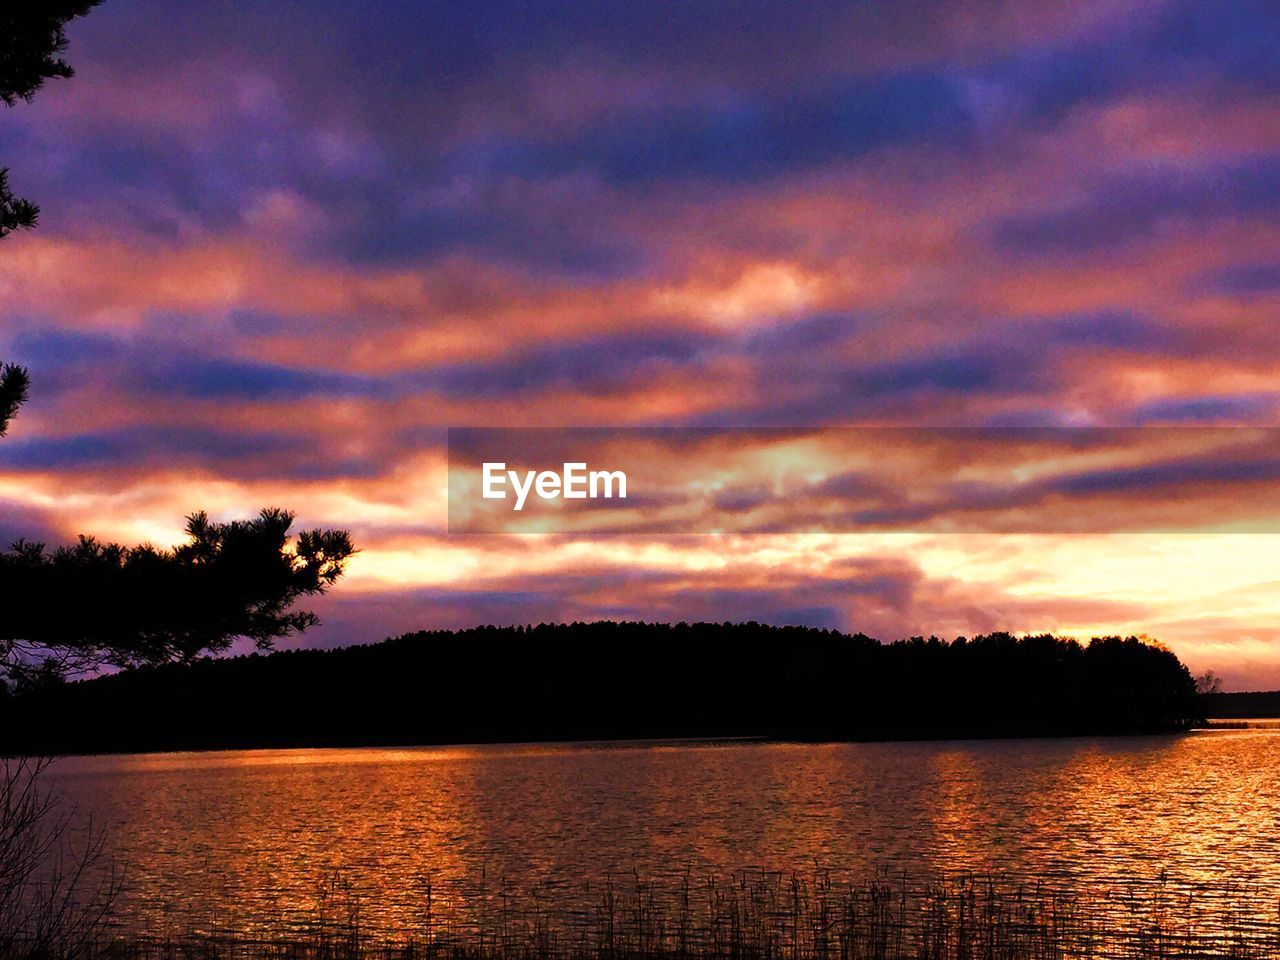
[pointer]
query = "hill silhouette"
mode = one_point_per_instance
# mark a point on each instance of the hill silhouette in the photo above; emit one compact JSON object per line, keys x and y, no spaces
{"x":1251,"y":705}
{"x":610,"y":680}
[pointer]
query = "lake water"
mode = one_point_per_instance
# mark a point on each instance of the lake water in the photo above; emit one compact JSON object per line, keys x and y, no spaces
{"x":255,"y":835}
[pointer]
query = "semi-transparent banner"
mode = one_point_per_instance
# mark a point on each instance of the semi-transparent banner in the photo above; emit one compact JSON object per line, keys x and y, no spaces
{"x":864,"y":479}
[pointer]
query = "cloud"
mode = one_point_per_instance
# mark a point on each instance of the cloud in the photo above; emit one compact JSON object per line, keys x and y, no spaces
{"x":1246,"y":278}
{"x":1132,"y":208}
{"x":272,"y":269}
{"x":136,"y":448}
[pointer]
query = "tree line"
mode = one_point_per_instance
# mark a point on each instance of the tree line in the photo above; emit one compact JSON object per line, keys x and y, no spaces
{"x":608,"y":680}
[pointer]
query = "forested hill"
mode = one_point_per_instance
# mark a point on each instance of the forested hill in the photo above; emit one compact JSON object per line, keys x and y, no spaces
{"x":615,"y":680}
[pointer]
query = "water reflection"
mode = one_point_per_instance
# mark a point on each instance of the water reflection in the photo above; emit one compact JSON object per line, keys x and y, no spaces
{"x":257,"y":834}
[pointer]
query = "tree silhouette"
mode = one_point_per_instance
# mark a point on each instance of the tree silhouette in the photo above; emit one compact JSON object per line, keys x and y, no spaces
{"x":32,"y":38}
{"x":15,"y":213}
{"x":14,"y":384}
{"x":93,"y":603}
{"x":1208,"y":683}
{"x":611,"y":681}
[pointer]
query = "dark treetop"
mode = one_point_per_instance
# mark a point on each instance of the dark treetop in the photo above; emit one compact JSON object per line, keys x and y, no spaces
{"x":32,"y":40}
{"x":103,"y":603}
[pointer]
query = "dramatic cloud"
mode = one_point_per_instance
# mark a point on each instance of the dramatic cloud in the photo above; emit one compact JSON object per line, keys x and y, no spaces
{"x":280,"y":254}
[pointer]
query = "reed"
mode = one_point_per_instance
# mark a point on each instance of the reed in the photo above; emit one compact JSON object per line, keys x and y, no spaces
{"x":753,"y":915}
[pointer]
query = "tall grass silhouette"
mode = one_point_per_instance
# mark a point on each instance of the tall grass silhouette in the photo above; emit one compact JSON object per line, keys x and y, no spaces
{"x":753,"y":915}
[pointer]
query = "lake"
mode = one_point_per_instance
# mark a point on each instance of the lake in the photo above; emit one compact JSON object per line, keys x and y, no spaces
{"x":252,"y":837}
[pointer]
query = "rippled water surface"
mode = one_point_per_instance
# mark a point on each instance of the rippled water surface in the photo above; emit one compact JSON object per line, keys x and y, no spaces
{"x":256,"y":834}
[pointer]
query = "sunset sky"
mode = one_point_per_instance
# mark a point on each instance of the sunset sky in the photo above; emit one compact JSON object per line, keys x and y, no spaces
{"x":284,"y":246}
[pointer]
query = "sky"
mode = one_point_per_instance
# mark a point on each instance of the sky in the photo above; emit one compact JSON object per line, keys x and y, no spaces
{"x":284,"y":246}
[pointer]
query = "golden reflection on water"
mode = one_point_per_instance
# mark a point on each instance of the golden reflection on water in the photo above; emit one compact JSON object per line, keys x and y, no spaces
{"x":253,"y":836}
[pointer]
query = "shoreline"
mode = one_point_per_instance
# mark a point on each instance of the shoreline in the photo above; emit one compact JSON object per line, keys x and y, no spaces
{"x":648,"y":742}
